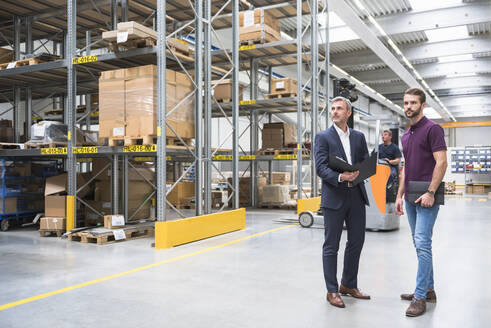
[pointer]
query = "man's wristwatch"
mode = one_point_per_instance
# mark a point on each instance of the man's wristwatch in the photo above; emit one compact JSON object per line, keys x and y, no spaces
{"x":431,"y":192}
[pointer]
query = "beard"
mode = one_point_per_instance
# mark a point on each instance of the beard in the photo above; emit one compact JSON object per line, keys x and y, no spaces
{"x":413,"y":113}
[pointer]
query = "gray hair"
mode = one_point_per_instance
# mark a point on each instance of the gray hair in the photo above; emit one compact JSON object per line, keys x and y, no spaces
{"x":346,"y":101}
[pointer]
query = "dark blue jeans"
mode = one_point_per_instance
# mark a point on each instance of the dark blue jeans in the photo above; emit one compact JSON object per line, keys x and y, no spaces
{"x":421,"y":220}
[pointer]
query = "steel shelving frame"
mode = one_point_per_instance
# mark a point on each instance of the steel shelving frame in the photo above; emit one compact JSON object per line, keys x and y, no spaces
{"x":63,"y":79}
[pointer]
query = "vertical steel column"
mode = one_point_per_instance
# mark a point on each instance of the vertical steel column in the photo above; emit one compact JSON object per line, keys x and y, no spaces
{"x":270,"y":162}
{"x":161,"y":110}
{"x":125,"y":187}
{"x":327,"y":63}
{"x":70,"y":112}
{"x":17,"y":26}
{"x":115,"y":184}
{"x":29,"y":41}
{"x":88,"y":98}
{"x":114,"y":14}
{"x":314,"y":95}
{"x":16,"y":109}
{"x":198,"y":124}
{"x":207,"y":108}
{"x":124,"y":10}
{"x":299,"y":99}
{"x":28,"y":113}
{"x":254,"y":131}
{"x":235,"y":102}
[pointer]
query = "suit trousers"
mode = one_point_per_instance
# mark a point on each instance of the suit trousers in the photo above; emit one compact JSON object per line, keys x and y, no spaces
{"x":352,"y":212}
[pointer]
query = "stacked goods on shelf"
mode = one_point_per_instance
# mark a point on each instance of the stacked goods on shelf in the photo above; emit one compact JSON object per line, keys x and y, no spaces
{"x":223,"y":90}
{"x":6,"y":131}
{"x":51,"y":133}
{"x":475,"y":188}
{"x":113,"y":221}
{"x":244,"y":189}
{"x":6,"y":56}
{"x":281,"y":178}
{"x":258,"y":26}
{"x":284,"y":87}
{"x":276,"y":194}
{"x":182,"y":195}
{"x":128,"y":105}
{"x":278,"y":135}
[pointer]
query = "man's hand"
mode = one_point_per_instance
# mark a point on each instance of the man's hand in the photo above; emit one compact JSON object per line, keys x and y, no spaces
{"x":399,"y":206}
{"x":349,"y":176}
{"x":426,"y":200}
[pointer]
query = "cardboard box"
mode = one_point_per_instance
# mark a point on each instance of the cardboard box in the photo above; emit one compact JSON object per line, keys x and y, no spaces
{"x":469,"y":189}
{"x":138,"y":190}
{"x":10,"y":205}
{"x":284,"y":85}
{"x":5,"y":123}
{"x":183,"y":189}
{"x":276,"y":194}
{"x":6,"y":134}
{"x":478,"y":189}
{"x":58,"y":184}
{"x":113,"y":221}
{"x":278,"y":135}
{"x":244,"y":191}
{"x":6,"y":56}
{"x":258,"y":24}
{"x":281,"y":178}
{"x":55,"y":206}
{"x":223,"y":90}
{"x":102,"y":207}
{"x":52,"y":223}
{"x":128,"y":103}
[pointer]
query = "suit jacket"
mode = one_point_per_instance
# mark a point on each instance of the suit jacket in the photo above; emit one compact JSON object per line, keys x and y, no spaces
{"x":327,"y":142}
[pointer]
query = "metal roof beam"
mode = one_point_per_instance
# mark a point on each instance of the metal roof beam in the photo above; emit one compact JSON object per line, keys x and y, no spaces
{"x":347,"y":14}
{"x":433,"y":70}
{"x":418,"y":51}
{"x":414,"y":21}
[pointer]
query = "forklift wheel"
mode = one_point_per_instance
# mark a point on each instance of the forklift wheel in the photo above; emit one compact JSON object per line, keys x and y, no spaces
{"x":306,"y":219}
{"x":4,"y":225}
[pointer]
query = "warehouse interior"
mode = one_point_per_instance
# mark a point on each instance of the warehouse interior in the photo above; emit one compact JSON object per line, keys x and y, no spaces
{"x":157,"y":156}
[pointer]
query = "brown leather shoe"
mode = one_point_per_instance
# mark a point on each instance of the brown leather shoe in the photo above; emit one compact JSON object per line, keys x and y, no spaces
{"x":430,"y":296}
{"x":416,"y":308}
{"x":355,"y":292}
{"x":335,"y":300}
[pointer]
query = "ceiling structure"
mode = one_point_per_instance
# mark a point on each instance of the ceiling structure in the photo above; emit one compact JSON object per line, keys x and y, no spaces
{"x":447,"y":43}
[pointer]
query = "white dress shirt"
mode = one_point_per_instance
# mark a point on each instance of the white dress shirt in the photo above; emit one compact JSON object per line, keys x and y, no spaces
{"x":344,"y":136}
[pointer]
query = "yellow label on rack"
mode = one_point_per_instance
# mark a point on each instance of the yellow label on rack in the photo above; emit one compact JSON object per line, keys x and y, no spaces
{"x":69,"y":135}
{"x":247,"y":47}
{"x":247,"y":157}
{"x":222,"y":158}
{"x":140,"y":148}
{"x":143,"y":159}
{"x":84,"y":60}
{"x":247,"y":102}
{"x":285,"y":157}
{"x":94,"y":114}
{"x":85,"y":150}
{"x":159,"y":131}
{"x":84,"y":160}
{"x":35,"y":117}
{"x":54,"y":151}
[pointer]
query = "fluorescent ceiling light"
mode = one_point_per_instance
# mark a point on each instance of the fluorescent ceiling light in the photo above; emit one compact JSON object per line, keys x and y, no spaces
{"x":448,"y":33}
{"x":418,"y":5}
{"x":431,"y":113}
{"x":461,"y":75}
{"x":448,"y":59}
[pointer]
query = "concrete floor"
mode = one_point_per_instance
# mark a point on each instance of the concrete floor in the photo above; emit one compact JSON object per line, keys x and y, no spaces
{"x":271,"y":280}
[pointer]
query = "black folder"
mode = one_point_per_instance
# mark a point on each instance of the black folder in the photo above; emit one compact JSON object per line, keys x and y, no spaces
{"x":367,"y":168}
{"x":418,"y":188}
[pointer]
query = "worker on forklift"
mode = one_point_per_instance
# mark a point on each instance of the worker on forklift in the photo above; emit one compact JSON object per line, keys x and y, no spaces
{"x":391,"y":154}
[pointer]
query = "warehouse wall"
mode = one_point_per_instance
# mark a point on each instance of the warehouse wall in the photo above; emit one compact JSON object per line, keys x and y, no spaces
{"x":470,"y":136}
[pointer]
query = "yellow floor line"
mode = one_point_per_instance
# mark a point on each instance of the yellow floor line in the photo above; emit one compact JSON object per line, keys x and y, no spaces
{"x":468,"y":199}
{"x":117,"y":275}
{"x":483,"y":200}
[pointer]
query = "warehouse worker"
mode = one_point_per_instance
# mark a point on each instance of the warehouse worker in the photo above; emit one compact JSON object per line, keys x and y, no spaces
{"x":391,"y":154}
{"x":341,"y":202}
{"x":425,"y":154}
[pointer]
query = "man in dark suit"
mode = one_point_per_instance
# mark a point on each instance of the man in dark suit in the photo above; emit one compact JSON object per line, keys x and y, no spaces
{"x":341,"y":201}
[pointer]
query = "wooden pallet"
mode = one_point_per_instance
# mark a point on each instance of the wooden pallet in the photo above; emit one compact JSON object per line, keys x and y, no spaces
{"x":132,"y":44}
{"x":281,"y":206}
{"x":23,"y":62}
{"x":108,"y":237}
{"x":280,"y":95}
{"x":281,"y":151}
{"x":49,"y":232}
{"x":9,"y":145}
{"x":30,"y":144}
{"x":129,"y":141}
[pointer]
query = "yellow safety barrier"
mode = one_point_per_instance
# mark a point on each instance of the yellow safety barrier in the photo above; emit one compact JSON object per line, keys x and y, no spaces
{"x":173,"y":233}
{"x":308,"y":204}
{"x":70,"y":213}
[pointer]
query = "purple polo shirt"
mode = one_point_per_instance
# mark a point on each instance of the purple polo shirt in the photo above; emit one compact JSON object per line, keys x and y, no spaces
{"x":419,"y":143}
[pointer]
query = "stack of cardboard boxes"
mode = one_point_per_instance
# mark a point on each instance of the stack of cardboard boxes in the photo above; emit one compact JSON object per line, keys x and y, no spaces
{"x":278,"y":135}
{"x":6,"y":131}
{"x":222,"y":90}
{"x":128,"y":103}
{"x":258,"y":25}
{"x":284,"y":85}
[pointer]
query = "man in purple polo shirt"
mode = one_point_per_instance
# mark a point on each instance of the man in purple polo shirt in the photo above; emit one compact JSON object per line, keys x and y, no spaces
{"x":425,"y":154}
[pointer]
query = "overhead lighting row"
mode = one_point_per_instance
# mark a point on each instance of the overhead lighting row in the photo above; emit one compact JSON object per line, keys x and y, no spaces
{"x":404,"y":59}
